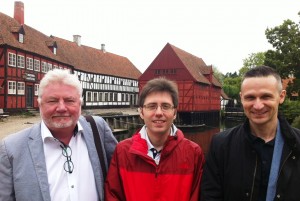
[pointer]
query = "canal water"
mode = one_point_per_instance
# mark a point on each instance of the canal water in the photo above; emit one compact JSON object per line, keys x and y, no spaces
{"x":201,"y":135}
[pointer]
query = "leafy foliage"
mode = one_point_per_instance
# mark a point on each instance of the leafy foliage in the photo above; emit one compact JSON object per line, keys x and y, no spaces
{"x":254,"y":59}
{"x":296,"y":122}
{"x":290,"y":109}
{"x":231,"y":87}
{"x":285,"y":39}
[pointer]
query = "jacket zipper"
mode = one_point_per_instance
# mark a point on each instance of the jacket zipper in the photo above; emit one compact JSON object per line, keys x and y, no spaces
{"x":281,"y":168}
{"x":254,"y":175}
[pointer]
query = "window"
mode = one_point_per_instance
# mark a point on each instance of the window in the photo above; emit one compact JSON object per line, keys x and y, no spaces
{"x":21,"y":88}
{"x":55,"y":67}
{"x":95,"y":96}
{"x":44,"y":67}
{"x":12,"y":59}
{"x":54,"y":50}
{"x":21,"y":38}
{"x":36,"y":89}
{"x":88,"y":96}
{"x":29,"y":63}
{"x":11,"y":87}
{"x":49,"y":66}
{"x":101,"y":98}
{"x":21,"y":61}
{"x":37,"y":65}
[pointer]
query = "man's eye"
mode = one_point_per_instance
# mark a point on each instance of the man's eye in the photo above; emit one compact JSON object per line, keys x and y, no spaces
{"x":151,"y":106}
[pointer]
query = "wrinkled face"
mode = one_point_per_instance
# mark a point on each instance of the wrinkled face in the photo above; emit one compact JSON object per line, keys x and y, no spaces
{"x":261,"y":97}
{"x":60,"y":107}
{"x":159,"y":120}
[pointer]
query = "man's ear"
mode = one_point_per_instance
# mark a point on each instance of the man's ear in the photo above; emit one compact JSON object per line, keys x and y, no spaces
{"x":141,"y":112}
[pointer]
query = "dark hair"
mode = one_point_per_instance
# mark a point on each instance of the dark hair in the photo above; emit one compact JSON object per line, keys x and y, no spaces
{"x":160,"y":84}
{"x":263,"y":71}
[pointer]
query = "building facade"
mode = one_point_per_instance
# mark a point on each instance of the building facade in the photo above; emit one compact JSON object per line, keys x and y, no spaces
{"x":199,"y":90}
{"x":26,"y":54}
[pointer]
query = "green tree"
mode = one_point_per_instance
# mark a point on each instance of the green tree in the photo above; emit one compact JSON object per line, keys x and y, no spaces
{"x":218,"y":75}
{"x":231,"y":87}
{"x":285,"y":57}
{"x":253,"y":59}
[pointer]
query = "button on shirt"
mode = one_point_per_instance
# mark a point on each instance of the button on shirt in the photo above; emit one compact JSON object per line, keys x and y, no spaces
{"x":78,"y":185}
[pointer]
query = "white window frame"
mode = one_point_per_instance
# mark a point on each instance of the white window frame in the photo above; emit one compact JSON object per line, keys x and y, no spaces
{"x":21,"y":88}
{"x":21,"y":38}
{"x":37,"y":65}
{"x":12,"y":59}
{"x":21,"y":61}
{"x":88,"y":96}
{"x":36,"y":89}
{"x":11,"y":87}
{"x":44,"y":67}
{"x":29,"y":63}
{"x":49,"y":67}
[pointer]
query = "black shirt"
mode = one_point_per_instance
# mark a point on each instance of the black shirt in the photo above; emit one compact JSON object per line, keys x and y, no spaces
{"x":265,"y":154}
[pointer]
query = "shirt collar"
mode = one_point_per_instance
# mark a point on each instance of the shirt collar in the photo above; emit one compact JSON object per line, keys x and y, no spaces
{"x":46,"y":134}
{"x":144,"y":135}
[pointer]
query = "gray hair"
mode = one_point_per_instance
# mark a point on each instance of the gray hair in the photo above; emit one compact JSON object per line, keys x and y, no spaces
{"x":59,"y":76}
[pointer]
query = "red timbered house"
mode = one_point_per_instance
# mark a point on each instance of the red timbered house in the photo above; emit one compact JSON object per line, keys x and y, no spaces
{"x":108,"y":80}
{"x":199,"y":90}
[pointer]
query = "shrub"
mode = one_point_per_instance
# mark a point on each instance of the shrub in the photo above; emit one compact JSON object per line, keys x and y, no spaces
{"x":296,"y":122}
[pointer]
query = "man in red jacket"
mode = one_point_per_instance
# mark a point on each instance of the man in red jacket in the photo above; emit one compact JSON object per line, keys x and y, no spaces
{"x":157,"y":163}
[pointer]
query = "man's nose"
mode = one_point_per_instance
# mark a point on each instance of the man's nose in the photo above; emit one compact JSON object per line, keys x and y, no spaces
{"x":258,"y":104}
{"x":61,"y":105}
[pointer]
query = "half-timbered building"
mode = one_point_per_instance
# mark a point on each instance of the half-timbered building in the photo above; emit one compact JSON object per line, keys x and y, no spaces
{"x":199,"y":90}
{"x":26,"y":54}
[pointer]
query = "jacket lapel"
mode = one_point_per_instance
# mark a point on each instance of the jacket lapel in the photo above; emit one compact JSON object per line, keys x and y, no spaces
{"x":90,"y":144}
{"x":35,"y":144}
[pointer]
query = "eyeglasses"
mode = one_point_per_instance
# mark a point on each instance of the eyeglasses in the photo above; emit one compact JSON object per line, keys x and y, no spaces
{"x":165,"y":107}
{"x":67,"y":152}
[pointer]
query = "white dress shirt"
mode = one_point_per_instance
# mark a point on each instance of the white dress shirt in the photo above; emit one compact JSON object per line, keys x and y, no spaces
{"x":63,"y":186}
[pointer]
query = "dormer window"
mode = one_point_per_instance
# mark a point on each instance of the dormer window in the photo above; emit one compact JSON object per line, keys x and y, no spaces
{"x":21,"y":38}
{"x":18,"y":33}
{"x":52,"y":46}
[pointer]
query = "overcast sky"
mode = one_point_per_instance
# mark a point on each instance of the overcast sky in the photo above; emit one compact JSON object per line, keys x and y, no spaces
{"x":221,"y":32}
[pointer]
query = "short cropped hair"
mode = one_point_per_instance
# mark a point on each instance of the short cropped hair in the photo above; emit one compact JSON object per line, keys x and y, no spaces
{"x":62,"y":76}
{"x":160,"y":84}
{"x":263,"y":71}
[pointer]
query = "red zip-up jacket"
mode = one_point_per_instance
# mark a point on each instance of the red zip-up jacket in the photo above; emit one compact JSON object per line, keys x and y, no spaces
{"x":134,"y":176}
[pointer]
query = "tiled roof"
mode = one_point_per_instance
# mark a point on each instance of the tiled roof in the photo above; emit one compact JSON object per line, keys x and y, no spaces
{"x":34,"y":41}
{"x":81,"y":57}
{"x":95,"y":60}
{"x":196,"y":66}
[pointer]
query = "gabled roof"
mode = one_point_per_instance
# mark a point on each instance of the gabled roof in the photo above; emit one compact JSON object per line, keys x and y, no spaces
{"x":93,"y":60}
{"x":81,"y":57}
{"x":34,"y":40}
{"x":196,"y":66}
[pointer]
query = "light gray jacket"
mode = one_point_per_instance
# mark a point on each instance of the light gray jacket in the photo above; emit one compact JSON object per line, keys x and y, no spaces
{"x":23,"y":174}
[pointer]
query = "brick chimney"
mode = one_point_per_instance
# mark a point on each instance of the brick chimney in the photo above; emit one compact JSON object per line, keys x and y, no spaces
{"x":19,"y":12}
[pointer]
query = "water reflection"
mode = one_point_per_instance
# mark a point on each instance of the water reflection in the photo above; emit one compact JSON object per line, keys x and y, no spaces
{"x":201,"y":136}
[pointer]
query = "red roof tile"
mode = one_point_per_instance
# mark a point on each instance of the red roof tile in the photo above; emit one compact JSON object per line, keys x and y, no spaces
{"x":196,"y":66}
{"x":81,"y":57}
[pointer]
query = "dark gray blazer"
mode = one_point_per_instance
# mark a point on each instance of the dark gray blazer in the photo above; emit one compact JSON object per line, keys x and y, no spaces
{"x":23,"y":174}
